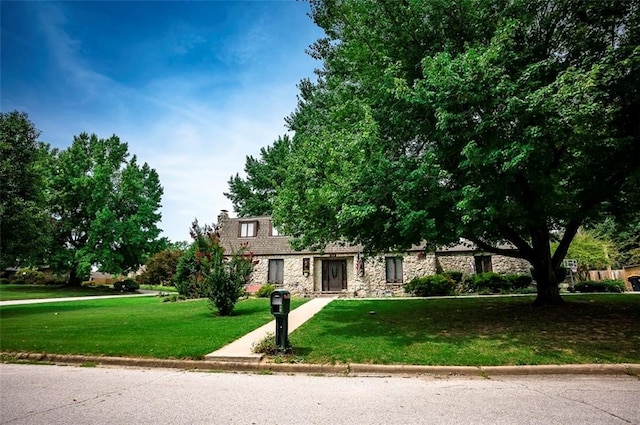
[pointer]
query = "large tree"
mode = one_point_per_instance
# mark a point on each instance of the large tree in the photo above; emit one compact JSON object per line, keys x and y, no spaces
{"x":492,"y":120}
{"x":24,"y":221}
{"x":105,"y":208}
{"x":254,"y":194}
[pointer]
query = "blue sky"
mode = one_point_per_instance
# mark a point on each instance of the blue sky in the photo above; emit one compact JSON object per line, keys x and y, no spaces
{"x":192,"y":87}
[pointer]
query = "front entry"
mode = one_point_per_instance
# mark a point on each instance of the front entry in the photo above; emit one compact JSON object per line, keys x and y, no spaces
{"x":334,"y":275}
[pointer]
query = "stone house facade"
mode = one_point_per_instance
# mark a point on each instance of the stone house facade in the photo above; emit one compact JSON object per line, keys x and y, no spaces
{"x":343,"y":269}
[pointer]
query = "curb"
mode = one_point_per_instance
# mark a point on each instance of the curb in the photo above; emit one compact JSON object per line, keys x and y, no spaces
{"x":352,"y":369}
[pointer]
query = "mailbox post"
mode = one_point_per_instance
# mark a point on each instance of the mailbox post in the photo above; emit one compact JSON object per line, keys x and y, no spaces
{"x":280,"y":306}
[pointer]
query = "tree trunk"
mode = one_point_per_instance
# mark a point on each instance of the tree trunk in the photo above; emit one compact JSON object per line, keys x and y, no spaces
{"x":74,"y":278}
{"x":545,"y":270}
{"x":548,"y":290}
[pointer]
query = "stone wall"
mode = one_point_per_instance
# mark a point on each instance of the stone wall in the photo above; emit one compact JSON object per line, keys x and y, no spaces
{"x":373,"y":282}
{"x":465,"y":263}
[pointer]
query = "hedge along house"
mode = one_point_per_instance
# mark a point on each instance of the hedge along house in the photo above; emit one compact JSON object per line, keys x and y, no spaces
{"x":343,"y":269}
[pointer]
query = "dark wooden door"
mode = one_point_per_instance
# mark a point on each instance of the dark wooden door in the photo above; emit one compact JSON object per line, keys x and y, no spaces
{"x":334,"y":275}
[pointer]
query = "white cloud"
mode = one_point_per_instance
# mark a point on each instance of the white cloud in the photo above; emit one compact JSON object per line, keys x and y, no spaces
{"x":195,"y":128}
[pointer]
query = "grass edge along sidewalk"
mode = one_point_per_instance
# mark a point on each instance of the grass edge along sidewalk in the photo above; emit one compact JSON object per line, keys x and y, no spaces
{"x":437,"y":326}
{"x":352,"y":369}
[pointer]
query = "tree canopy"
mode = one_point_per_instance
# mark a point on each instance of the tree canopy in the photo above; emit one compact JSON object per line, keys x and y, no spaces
{"x":254,"y":195}
{"x":23,"y":211}
{"x":105,"y":207}
{"x":492,"y":120}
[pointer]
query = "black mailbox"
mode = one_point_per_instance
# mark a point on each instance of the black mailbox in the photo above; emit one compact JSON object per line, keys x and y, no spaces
{"x":280,"y":302}
{"x":280,"y":307}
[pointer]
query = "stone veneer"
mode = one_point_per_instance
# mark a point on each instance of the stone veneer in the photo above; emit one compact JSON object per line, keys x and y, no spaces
{"x":373,"y":283}
{"x":465,"y":262}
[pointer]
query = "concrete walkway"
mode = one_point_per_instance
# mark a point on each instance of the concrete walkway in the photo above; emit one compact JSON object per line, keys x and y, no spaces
{"x":91,"y":297}
{"x":240,"y":349}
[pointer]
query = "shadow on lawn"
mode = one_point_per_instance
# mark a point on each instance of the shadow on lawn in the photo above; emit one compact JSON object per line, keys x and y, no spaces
{"x":608,"y":326}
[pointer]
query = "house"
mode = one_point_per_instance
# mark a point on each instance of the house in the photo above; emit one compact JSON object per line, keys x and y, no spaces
{"x":343,"y":269}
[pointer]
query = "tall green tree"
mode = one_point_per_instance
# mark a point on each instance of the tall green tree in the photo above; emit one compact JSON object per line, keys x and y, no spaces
{"x":24,"y":223}
{"x":492,"y":120}
{"x":591,"y":252}
{"x":254,"y":195}
{"x":624,"y":236}
{"x":105,"y":208}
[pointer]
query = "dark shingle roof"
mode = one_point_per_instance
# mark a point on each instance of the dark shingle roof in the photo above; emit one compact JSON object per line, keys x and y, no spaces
{"x":265,"y":244}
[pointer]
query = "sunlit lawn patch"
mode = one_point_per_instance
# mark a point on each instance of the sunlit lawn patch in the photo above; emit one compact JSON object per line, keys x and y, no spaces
{"x":140,"y":327}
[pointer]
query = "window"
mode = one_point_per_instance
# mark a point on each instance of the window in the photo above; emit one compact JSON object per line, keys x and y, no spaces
{"x":276,"y":272}
{"x":483,"y":263}
{"x":248,"y":229}
{"x":394,"y":269}
{"x":274,"y":230}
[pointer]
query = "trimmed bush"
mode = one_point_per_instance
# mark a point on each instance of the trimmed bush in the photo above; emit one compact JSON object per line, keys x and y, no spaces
{"x":31,"y":276}
{"x":4,"y":281}
{"x":600,"y":286}
{"x":519,"y":281}
{"x":454,"y":275}
{"x":265,"y":291}
{"x":430,"y":286}
{"x":127,"y":285}
{"x":490,"y":282}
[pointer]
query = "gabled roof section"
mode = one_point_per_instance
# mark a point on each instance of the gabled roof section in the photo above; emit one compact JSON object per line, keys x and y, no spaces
{"x":264,"y":243}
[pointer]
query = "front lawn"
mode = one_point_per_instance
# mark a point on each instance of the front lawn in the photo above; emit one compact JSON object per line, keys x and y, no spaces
{"x":137,"y":327}
{"x":11,"y":292}
{"x":473,"y":331}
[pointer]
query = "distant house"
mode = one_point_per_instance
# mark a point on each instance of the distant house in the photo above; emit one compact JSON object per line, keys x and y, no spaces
{"x":344,"y":269}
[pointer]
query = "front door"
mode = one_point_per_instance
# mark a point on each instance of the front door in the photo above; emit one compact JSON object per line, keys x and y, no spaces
{"x":334,"y":275}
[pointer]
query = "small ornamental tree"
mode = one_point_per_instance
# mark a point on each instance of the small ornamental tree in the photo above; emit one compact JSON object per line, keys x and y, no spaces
{"x":160,"y":268}
{"x":223,"y":279}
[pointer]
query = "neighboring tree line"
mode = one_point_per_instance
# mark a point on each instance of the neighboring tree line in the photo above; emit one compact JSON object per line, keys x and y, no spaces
{"x":90,"y":205}
{"x":491,"y":120}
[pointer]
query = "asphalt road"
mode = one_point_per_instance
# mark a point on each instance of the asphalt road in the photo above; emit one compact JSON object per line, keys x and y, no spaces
{"x":44,"y":394}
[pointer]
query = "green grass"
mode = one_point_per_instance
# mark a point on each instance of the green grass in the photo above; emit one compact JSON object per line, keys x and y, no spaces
{"x":160,"y":288}
{"x":473,"y":331}
{"x":138,"y":327}
{"x":27,"y":291}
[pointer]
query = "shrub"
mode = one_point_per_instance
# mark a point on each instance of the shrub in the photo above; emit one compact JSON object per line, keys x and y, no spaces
{"x":54,"y":281}
{"x":519,"y":281}
{"x":454,"y":275}
{"x":490,"y":282}
{"x":18,"y":282}
{"x":223,"y":279}
{"x":160,"y":268}
{"x":31,"y":276}
{"x":189,"y":276}
{"x":127,"y":285}
{"x":600,"y":286}
{"x":428,"y":286}
{"x":265,"y":291}
{"x":266,"y":345}
{"x":4,"y":281}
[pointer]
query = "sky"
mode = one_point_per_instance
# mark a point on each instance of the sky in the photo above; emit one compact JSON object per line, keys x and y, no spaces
{"x":192,"y":87}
